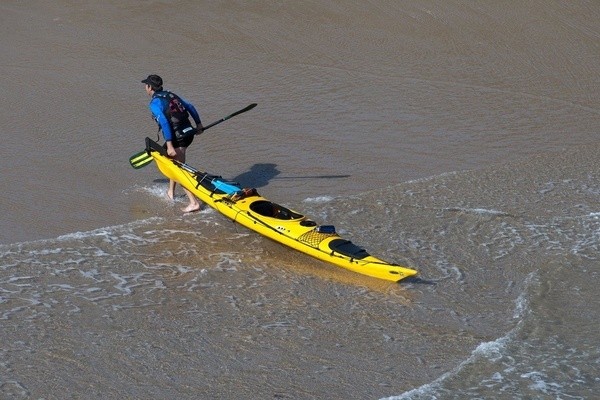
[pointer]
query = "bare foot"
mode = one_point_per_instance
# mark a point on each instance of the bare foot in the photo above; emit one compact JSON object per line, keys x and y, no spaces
{"x":170,"y":195}
{"x":191,"y":208}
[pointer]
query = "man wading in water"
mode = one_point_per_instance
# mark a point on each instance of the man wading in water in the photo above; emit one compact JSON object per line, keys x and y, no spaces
{"x":172,"y":113}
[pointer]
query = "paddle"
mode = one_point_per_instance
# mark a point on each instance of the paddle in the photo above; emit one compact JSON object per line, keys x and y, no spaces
{"x":143,"y":158}
{"x":243,"y":110}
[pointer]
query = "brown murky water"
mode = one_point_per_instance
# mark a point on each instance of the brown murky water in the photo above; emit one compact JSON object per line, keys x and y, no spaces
{"x":460,"y":139}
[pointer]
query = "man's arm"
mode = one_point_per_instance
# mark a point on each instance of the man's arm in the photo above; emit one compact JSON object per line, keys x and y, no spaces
{"x":193,"y":112}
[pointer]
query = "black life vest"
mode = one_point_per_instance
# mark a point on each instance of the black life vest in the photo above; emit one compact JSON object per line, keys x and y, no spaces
{"x":176,"y":113}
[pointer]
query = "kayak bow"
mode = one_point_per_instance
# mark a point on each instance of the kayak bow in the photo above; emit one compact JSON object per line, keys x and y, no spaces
{"x":274,"y":221}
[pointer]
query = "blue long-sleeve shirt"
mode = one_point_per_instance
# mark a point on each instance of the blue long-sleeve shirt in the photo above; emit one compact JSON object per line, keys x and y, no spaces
{"x":156,"y":108}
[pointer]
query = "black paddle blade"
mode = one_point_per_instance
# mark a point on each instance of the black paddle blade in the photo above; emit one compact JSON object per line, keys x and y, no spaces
{"x":141,"y":159}
{"x":248,"y":108}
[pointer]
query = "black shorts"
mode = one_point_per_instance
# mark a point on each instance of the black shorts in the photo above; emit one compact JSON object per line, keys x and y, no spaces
{"x":182,"y":142}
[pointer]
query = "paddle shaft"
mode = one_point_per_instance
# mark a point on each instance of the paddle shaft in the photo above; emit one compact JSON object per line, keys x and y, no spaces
{"x":243,"y":110}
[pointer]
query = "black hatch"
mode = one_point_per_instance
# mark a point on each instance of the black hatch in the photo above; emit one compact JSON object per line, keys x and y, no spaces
{"x":348,"y":248}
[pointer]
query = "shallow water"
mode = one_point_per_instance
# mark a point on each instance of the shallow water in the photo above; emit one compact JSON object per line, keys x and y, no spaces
{"x":459,"y":140}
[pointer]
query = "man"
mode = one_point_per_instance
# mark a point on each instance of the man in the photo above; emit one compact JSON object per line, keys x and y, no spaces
{"x":172,"y":113}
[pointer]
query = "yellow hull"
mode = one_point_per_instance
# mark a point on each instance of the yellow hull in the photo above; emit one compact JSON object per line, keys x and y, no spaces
{"x":276,"y":222}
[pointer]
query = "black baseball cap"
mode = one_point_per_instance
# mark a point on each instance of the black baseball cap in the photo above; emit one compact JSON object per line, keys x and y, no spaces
{"x":154,"y":81}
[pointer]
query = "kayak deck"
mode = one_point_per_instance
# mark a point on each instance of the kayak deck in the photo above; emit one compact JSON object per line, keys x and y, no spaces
{"x":275,"y":221}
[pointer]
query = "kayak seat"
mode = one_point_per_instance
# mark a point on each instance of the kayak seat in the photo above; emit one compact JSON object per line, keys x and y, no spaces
{"x":272,"y":210}
{"x":348,"y":248}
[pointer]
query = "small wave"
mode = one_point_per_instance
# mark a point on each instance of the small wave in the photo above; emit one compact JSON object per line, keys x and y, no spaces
{"x":432,"y":177}
{"x":108,"y":233}
{"x":319,"y":199}
{"x":492,"y":351}
{"x":159,"y":191}
{"x":480,"y":211}
{"x":82,"y":235}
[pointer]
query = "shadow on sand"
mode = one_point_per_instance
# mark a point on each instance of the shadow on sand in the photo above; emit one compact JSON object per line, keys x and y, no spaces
{"x":259,"y":175}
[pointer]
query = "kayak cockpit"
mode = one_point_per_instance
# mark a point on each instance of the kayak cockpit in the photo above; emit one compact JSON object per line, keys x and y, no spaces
{"x":272,"y":210}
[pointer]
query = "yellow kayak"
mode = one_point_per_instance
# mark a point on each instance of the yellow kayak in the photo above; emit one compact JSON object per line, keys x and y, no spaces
{"x":274,"y":221}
